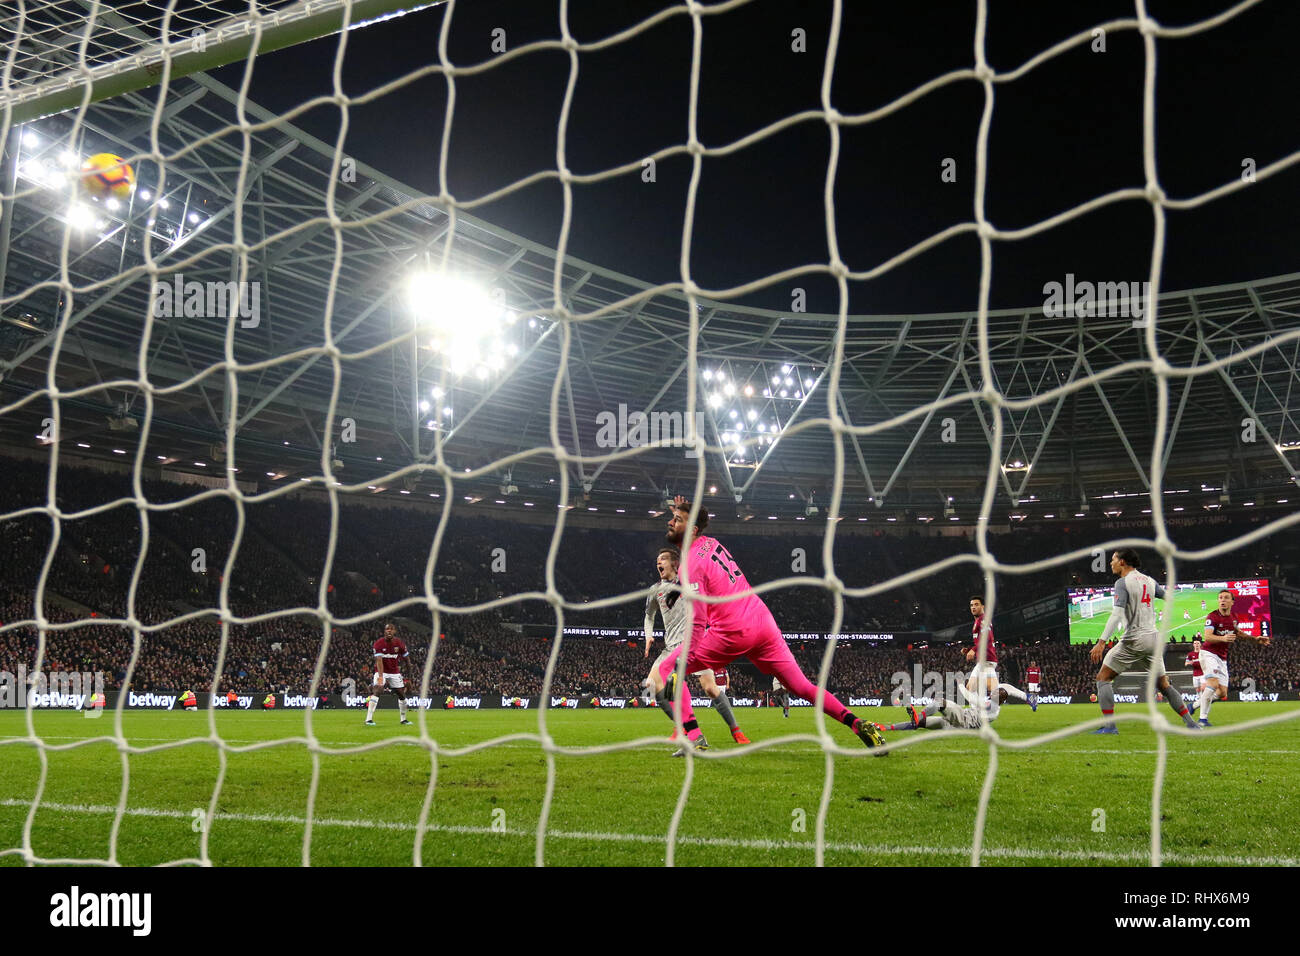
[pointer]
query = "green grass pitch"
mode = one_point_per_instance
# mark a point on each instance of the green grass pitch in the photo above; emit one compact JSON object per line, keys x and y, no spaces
{"x":1086,"y":630}
{"x":916,"y":806}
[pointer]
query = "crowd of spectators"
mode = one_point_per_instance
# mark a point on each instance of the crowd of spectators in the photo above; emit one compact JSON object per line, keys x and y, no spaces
{"x":380,"y":555}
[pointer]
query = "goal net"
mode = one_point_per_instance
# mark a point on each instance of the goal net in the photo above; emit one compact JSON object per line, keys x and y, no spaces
{"x":1091,"y":607}
{"x":63,"y":54}
{"x":324,"y":274}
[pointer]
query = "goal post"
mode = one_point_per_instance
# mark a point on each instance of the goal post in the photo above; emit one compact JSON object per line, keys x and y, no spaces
{"x":43,"y":74}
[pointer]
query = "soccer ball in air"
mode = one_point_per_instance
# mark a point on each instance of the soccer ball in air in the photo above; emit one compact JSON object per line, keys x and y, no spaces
{"x":107,"y":176}
{"x":1093,"y":698}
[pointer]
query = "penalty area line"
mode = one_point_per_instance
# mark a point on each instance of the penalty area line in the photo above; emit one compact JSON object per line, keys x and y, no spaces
{"x":1009,"y":853}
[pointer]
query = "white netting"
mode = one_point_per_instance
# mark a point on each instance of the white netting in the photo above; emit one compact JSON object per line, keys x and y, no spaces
{"x":60,"y":50}
{"x":20,"y":70}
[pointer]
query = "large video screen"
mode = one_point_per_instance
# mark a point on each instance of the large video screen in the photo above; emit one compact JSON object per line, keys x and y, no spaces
{"x":1189,"y":606}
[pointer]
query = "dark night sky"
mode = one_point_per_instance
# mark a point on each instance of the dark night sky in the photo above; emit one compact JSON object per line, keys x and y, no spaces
{"x":1068,"y":131}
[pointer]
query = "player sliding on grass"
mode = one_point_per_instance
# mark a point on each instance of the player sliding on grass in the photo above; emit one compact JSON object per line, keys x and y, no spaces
{"x":1140,"y":645}
{"x":945,"y":712}
{"x":676,"y":615}
{"x":740,"y":628}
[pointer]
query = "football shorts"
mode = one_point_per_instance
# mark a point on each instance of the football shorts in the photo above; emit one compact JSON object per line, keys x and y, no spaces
{"x":1214,"y":666}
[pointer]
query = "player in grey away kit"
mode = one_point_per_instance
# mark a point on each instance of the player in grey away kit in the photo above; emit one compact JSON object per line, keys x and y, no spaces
{"x":1140,"y":644}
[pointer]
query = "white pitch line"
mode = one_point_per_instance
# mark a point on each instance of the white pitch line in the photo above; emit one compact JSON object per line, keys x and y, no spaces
{"x":1011,"y":853}
{"x":973,"y":751}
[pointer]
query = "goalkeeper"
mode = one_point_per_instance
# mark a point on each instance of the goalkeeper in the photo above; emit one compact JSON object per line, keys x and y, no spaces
{"x":676,"y":615}
{"x":742,"y":627}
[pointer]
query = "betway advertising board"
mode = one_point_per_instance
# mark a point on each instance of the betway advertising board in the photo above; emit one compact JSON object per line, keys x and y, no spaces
{"x":170,"y":701}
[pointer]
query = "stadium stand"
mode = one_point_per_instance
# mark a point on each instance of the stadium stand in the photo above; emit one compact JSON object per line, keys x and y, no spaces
{"x":381,"y":555}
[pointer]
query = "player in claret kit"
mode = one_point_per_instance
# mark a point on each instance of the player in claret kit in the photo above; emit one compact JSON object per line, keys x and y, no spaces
{"x":1033,"y":683}
{"x":1193,"y":660}
{"x":1140,"y":647}
{"x":981,"y":632}
{"x":744,"y":627}
{"x":1220,"y":631}
{"x":390,"y":651}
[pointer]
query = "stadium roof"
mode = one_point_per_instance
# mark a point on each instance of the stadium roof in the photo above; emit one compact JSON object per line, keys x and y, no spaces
{"x":629,"y":345}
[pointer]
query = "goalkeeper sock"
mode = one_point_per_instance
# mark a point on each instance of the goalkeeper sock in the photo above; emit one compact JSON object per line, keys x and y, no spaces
{"x":1015,"y":692}
{"x":371,"y":703}
{"x":723,"y":707}
{"x":662,"y":700}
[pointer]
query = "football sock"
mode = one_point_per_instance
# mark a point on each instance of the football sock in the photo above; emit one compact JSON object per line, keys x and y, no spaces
{"x":1208,"y":696}
{"x":662,"y":700}
{"x":849,"y":719}
{"x":723,"y":707}
{"x":401,"y":707}
{"x":1106,"y":697}
{"x":1176,"y":702}
{"x":371,"y":703}
{"x":785,"y":700}
{"x":1015,"y":692}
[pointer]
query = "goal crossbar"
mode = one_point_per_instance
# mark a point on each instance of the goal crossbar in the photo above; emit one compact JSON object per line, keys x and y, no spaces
{"x":137,"y":60}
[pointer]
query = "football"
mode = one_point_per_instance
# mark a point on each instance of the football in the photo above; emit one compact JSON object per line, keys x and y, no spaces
{"x":107,"y":176}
